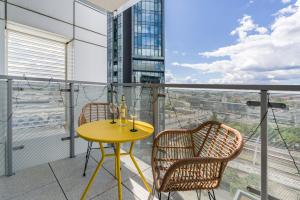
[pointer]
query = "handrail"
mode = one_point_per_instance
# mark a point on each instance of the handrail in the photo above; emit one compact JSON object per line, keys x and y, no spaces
{"x":170,"y":85}
{"x":216,"y":86}
{"x":6,"y":77}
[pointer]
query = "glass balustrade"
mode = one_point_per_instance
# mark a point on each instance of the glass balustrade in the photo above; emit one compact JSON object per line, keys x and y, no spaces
{"x":41,"y":125}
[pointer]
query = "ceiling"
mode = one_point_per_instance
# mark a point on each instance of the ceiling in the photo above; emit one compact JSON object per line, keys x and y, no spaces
{"x":114,"y":5}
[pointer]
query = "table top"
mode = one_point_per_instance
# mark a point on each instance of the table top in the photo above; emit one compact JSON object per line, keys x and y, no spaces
{"x":104,"y":131}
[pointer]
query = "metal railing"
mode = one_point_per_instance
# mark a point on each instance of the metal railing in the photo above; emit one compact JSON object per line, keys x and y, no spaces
{"x":9,"y":112}
{"x":156,"y":93}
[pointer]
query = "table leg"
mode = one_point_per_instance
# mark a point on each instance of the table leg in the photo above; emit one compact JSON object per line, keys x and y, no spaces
{"x":137,"y":167}
{"x":115,"y":160}
{"x":83,"y":196}
{"x":119,"y":177}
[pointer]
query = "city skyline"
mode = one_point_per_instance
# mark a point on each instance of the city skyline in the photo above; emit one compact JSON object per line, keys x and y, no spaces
{"x":241,"y":42}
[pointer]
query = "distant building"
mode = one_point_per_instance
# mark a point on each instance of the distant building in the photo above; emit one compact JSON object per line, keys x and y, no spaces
{"x":136,"y":52}
{"x":136,"y":44}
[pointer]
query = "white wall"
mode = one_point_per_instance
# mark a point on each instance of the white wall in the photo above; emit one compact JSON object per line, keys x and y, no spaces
{"x":91,"y":26}
{"x":56,"y":8}
{"x":90,"y":60}
{"x":86,"y":56}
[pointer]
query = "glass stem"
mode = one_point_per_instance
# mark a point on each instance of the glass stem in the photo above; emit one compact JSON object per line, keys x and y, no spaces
{"x":133,"y":124}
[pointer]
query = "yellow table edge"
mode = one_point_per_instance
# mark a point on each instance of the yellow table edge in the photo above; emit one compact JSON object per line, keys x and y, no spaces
{"x":138,"y":124}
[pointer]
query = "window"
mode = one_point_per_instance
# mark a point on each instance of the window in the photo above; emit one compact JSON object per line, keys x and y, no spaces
{"x":35,"y":55}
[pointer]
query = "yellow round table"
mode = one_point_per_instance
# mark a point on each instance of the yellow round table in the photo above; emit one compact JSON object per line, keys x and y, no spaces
{"x":104,"y":132}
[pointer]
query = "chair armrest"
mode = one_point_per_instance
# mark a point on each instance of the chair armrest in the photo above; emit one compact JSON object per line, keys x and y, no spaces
{"x":171,"y":133}
{"x":168,"y":147}
{"x":81,"y":119}
{"x":165,"y":138}
{"x":194,"y":172}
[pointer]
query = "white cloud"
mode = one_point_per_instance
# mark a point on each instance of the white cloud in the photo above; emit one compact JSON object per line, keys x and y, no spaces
{"x":170,"y":78}
{"x":258,"y":57}
{"x":246,"y":26}
{"x":286,"y":1}
{"x":179,"y":53}
{"x":189,"y":79}
{"x":286,"y":11}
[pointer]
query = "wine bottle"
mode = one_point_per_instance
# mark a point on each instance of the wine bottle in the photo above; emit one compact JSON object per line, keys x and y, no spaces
{"x":123,"y":112}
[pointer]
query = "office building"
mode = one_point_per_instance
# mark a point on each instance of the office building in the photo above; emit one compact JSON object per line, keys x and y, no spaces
{"x":136,"y":44}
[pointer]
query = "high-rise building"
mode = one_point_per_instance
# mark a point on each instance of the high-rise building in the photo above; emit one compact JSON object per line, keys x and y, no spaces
{"x":136,"y":44}
{"x":136,"y":53}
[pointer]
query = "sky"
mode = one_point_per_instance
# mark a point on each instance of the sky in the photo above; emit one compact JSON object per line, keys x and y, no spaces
{"x":232,"y":41}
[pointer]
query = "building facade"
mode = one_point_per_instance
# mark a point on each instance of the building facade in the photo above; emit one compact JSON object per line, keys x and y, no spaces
{"x":137,"y":44}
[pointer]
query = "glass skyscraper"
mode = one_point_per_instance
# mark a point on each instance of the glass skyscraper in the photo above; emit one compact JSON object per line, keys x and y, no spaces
{"x":136,"y":44}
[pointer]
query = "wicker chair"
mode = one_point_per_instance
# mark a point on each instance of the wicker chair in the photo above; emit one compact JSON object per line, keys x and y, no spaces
{"x":92,"y":112}
{"x":194,"y":159}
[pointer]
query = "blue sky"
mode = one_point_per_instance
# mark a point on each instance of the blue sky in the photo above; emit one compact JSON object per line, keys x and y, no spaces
{"x":200,"y":36}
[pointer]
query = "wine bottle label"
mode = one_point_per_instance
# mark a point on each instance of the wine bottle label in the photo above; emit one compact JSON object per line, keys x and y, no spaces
{"x":123,"y":114}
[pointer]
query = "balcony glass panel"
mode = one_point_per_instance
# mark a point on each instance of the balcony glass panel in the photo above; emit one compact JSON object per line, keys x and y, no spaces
{"x":41,"y":120}
{"x":139,"y":98}
{"x":39,"y":123}
{"x":83,"y":95}
{"x":187,"y":108}
{"x":283,"y":181}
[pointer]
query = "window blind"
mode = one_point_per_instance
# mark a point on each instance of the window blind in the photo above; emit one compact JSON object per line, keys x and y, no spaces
{"x":33,"y":56}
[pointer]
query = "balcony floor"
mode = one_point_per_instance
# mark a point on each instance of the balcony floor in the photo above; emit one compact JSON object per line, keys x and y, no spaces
{"x":62,"y":179}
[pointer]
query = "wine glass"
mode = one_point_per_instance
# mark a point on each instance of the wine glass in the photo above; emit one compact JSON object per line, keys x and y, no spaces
{"x":133,"y":117}
{"x":112,"y":109}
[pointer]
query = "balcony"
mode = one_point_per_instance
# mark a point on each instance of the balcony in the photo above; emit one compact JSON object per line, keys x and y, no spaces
{"x":43,"y":158}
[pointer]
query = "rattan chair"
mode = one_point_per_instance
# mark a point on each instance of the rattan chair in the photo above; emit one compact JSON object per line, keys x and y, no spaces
{"x":93,"y":112}
{"x":194,"y":159}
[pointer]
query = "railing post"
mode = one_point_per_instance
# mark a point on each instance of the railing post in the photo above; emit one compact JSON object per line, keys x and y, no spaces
{"x":111,"y":97}
{"x":9,"y":141}
{"x":264,"y":143}
{"x":155,"y":110}
{"x":72,"y":131}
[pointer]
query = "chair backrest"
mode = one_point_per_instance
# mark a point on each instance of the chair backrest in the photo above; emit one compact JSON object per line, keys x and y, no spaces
{"x":216,"y":140}
{"x":93,"y":112}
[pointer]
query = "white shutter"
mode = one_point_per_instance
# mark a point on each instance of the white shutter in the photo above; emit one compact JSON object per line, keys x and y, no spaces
{"x":34,"y":56}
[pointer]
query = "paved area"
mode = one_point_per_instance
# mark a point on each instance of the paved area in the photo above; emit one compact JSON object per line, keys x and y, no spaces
{"x":63,"y":180}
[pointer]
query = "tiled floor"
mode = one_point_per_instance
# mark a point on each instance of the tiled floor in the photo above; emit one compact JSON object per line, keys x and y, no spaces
{"x":63,"y":180}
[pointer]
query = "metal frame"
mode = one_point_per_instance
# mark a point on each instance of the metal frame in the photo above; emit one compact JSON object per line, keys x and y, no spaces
{"x":22,"y":78}
{"x":211,"y":194}
{"x":264,"y":143}
{"x":295,"y":88}
{"x":155,"y":111}
{"x":117,"y":156}
{"x":72,"y":130}
{"x":9,"y":139}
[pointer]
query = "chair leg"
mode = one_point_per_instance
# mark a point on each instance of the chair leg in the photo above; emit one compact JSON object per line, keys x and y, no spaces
{"x":159,"y":195}
{"x":87,"y":156}
{"x":211,"y":195}
{"x":169,"y":195}
{"x":152,"y":193}
{"x":198,"y":192}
